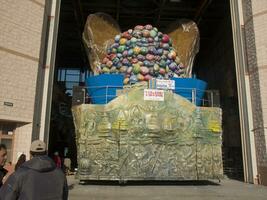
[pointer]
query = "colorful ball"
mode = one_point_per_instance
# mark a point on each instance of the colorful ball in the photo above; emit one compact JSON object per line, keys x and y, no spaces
{"x":113,"y":69}
{"x":144,"y":70}
{"x":136,"y":68}
{"x":146,"y":33}
{"x":105,"y":60}
{"x":153,"y":33}
{"x":156,"y":67}
{"x":121,"y":48}
{"x":147,"y":77}
{"x":144,"y":50}
{"x":109,"y":64}
{"x":123,"y":41}
{"x":140,"y":77}
{"x":148,"y":26}
{"x":133,"y":40}
{"x":126,"y":81}
{"x":133,"y":79}
{"x":162,"y":71}
{"x":117,"y":38}
{"x":136,"y":50}
{"x":172,"y":55}
{"x":139,"y":27}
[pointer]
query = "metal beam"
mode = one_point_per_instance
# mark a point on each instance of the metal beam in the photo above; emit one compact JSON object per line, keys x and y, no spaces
{"x":79,"y":16}
{"x":118,"y":11}
{"x":78,"y":13}
{"x":201,"y":10}
{"x":161,"y":7}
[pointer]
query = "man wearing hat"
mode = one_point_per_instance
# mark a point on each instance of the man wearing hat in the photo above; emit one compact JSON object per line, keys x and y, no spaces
{"x":38,"y":178}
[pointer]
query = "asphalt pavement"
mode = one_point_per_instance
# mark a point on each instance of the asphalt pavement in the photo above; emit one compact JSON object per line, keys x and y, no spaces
{"x":227,"y":189}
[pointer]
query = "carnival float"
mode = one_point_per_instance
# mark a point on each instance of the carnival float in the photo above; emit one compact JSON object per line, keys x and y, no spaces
{"x":145,"y":120}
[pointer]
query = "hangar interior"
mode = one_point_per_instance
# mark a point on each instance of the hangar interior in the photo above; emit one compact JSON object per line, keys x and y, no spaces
{"x":214,"y":63}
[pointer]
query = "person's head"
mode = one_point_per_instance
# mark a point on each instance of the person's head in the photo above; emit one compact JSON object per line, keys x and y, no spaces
{"x":38,"y":148}
{"x":3,"y":155}
{"x":22,"y":158}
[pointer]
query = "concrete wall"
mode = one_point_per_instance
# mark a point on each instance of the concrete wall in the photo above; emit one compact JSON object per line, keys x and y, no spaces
{"x":255,"y":26}
{"x":20,"y":38}
{"x":22,"y":141}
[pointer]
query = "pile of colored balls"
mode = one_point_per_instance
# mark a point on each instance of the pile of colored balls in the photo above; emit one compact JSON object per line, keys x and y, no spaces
{"x":142,"y":54}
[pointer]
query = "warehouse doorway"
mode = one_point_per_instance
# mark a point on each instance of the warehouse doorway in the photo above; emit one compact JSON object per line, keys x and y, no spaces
{"x":214,"y":63}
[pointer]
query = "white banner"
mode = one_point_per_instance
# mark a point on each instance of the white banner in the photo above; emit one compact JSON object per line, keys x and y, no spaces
{"x":153,"y":95}
{"x":165,"y":84}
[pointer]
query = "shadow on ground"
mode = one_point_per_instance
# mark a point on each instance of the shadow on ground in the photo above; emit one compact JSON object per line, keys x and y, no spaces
{"x":148,"y":183}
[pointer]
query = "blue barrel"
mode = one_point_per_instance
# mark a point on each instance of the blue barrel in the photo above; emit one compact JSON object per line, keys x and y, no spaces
{"x":102,"y":88}
{"x":185,"y":86}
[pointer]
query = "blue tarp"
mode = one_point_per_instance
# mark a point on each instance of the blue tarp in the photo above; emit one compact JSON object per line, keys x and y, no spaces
{"x":102,"y":88}
{"x":187,"y":86}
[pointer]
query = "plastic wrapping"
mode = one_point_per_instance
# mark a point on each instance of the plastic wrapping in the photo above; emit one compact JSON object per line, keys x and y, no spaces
{"x":133,"y":139}
{"x":185,"y":37}
{"x":99,"y":32}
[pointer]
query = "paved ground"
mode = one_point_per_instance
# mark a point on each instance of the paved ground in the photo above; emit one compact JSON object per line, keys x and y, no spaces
{"x":225,"y":190}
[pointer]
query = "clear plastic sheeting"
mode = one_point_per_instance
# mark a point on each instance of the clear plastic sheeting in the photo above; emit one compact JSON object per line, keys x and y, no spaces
{"x":99,"y":32}
{"x":185,"y":37}
{"x":133,"y":139}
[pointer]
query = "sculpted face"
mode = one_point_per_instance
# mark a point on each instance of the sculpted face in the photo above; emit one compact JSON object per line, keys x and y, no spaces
{"x":3,"y":157}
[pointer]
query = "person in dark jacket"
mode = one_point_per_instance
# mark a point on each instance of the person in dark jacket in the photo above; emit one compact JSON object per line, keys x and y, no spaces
{"x":36,"y":179}
{"x":3,"y":157}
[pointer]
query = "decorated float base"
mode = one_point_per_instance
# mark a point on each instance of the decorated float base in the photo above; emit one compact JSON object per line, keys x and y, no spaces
{"x":133,"y":139}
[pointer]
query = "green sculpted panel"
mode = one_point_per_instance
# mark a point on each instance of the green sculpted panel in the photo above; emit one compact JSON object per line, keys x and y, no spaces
{"x":133,"y":139}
